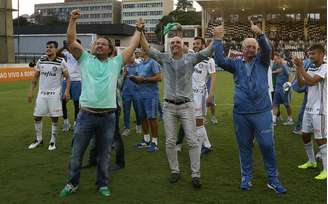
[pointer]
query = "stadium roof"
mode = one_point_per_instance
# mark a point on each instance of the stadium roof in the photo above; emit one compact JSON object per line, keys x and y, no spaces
{"x":100,"y":29}
{"x":264,"y":6}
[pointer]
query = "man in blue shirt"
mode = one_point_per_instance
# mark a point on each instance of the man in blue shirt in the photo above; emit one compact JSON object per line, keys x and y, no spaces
{"x":252,"y":105}
{"x":148,"y":76}
{"x":281,"y":72}
{"x":130,"y":93}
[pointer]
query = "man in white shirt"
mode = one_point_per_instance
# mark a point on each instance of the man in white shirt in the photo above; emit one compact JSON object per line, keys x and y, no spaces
{"x":75,"y":85}
{"x":49,"y":71}
{"x":202,"y":72}
{"x":314,"y":119}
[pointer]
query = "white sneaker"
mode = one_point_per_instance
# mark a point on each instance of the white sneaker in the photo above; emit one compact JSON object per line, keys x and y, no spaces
{"x":138,"y":129}
{"x":35,"y":144}
{"x":125,"y":132}
{"x":52,"y":146}
{"x":297,"y":132}
{"x":214,"y":120}
{"x":289,"y":122}
{"x":178,"y":147}
{"x":66,"y":127}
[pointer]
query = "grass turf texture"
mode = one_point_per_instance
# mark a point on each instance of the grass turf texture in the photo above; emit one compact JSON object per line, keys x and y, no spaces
{"x":37,"y":176}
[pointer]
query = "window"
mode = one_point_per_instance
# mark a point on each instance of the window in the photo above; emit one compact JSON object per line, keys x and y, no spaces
{"x":117,"y":43}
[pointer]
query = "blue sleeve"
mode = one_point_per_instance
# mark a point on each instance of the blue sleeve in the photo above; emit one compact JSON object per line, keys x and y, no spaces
{"x":265,"y":49}
{"x":285,"y":68}
{"x":224,"y":63}
{"x":156,"y":67}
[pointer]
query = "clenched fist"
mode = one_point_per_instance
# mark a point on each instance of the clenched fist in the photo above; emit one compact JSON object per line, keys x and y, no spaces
{"x":75,"y":14}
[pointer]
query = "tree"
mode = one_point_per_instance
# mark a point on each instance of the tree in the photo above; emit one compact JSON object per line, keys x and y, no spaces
{"x":179,"y":16}
{"x":21,"y":21}
{"x":182,"y":5}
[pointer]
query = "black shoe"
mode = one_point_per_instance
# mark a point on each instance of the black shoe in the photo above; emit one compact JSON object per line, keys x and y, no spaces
{"x":88,"y":165}
{"x":116,"y":167}
{"x":174,"y":177}
{"x":196,"y":182}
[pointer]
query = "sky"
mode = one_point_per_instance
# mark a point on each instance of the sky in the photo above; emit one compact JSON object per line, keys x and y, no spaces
{"x":27,"y":6}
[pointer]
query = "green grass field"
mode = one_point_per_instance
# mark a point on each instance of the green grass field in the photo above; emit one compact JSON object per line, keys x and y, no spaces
{"x":37,"y":176}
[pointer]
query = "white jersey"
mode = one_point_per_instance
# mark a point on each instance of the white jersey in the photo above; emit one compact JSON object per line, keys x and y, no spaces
{"x":270,"y":83}
{"x":202,"y":73}
{"x":51,"y":76}
{"x":317,"y":95}
{"x":73,"y":66}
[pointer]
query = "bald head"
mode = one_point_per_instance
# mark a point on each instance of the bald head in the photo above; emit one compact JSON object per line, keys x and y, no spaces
{"x":176,"y":46}
{"x":249,"y":47}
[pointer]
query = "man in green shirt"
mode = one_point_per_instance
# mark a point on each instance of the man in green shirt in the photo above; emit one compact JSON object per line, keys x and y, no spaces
{"x":97,"y":101}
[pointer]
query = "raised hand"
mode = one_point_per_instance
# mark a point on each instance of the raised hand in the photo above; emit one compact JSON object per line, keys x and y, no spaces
{"x":218,"y":32}
{"x":255,"y":29}
{"x":297,"y":62}
{"x":75,"y":14}
{"x":140,"y":24}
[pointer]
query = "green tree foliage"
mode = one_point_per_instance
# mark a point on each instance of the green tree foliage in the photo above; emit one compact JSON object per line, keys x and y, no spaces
{"x":179,"y":16}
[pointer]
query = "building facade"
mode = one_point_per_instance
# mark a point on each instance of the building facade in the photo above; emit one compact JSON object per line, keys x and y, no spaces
{"x":92,"y":11}
{"x":150,"y":10}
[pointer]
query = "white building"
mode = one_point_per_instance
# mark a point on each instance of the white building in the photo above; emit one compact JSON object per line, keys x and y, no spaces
{"x":150,"y":10}
{"x":92,"y":11}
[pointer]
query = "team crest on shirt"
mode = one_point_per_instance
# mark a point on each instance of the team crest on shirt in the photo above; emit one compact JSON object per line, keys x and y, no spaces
{"x":54,"y":68}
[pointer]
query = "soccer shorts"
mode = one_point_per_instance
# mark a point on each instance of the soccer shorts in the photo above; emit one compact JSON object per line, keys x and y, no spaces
{"x":281,"y":97}
{"x":316,"y":124}
{"x":200,"y":97}
{"x":51,"y":107}
{"x":149,"y":107}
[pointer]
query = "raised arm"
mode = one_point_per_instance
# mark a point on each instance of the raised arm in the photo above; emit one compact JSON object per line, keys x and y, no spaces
{"x":265,"y":47}
{"x":225,"y":63}
{"x":303,"y":78}
{"x":152,"y":53}
{"x":74,"y":47}
{"x":134,"y":42}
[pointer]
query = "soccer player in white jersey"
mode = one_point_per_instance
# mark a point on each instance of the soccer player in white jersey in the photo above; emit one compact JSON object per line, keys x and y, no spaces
{"x":314,"y":119}
{"x":201,"y":74}
{"x":75,"y":87}
{"x":49,"y":71}
{"x":203,"y":71}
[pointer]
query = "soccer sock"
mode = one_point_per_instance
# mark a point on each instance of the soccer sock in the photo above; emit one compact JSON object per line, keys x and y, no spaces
{"x":53,"y":132}
{"x":274,"y":118}
{"x":323,"y":151}
{"x":38,"y":130}
{"x":290,"y":118}
{"x":200,"y":135}
{"x":309,"y":151}
{"x":65,"y":121}
{"x":154,"y":140}
{"x":147,"y":138}
{"x":206,"y":141}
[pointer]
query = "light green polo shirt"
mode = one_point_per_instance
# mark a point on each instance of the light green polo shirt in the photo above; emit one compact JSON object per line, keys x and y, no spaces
{"x":99,"y":80}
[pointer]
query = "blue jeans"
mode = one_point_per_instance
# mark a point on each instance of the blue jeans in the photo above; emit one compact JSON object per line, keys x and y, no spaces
{"x":300,"y":114}
{"x":127,"y":99}
{"x":100,"y":125}
{"x":259,"y":125}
